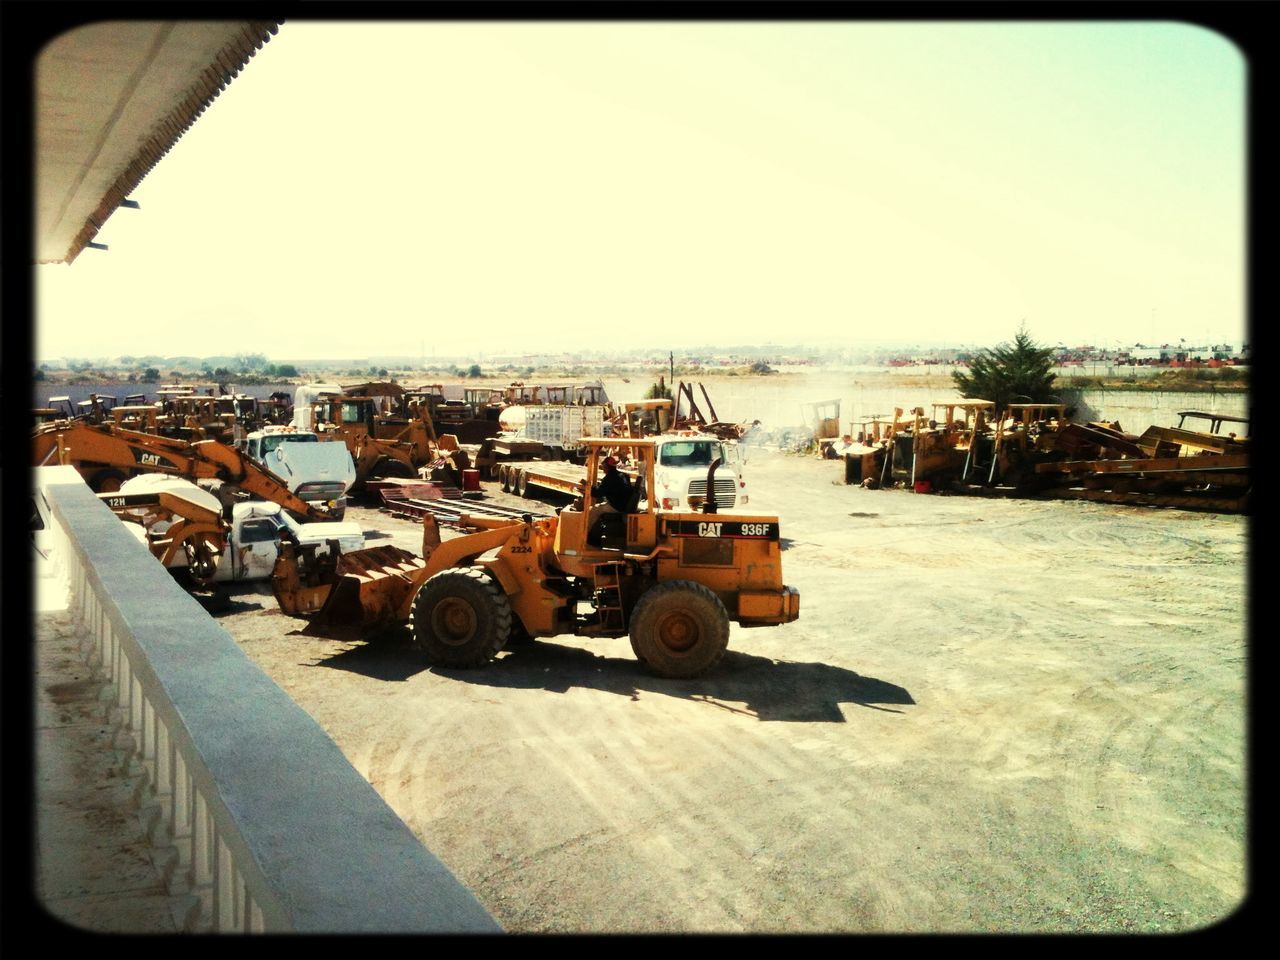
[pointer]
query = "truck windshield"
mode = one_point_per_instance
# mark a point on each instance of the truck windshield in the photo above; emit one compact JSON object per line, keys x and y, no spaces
{"x":693,"y":453}
{"x":270,"y":443}
{"x":260,"y":530}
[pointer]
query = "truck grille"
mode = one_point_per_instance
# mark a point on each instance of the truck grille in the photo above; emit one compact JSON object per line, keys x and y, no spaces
{"x":726,"y":491}
{"x":321,"y":491}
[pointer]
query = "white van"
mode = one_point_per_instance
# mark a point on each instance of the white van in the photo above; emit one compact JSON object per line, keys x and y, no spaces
{"x":680,"y":471}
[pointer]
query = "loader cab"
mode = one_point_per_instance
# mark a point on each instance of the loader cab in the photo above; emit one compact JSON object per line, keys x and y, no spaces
{"x":355,"y":411}
{"x":97,"y":409}
{"x":610,"y":535}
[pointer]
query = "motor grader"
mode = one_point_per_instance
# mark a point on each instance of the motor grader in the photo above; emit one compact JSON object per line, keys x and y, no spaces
{"x":671,"y":581}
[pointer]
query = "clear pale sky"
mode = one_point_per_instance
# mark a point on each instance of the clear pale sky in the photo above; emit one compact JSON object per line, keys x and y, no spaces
{"x":419,"y":188}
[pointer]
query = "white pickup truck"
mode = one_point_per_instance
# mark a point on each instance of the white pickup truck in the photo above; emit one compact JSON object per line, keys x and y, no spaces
{"x":680,"y":471}
{"x":248,"y":543}
{"x":318,"y":471}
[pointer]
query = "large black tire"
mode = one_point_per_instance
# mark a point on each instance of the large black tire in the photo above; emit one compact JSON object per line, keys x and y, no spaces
{"x":518,"y":636}
{"x":106,"y":481}
{"x":679,"y":629}
{"x":460,"y":618}
{"x":201,"y":567}
{"x":636,"y":649}
{"x":389,"y":468}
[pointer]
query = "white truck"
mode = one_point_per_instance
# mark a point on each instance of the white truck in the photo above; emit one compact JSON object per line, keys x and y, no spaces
{"x":212,"y":548}
{"x":318,"y":471}
{"x":680,"y":471}
{"x":551,"y":431}
{"x":682,"y":462}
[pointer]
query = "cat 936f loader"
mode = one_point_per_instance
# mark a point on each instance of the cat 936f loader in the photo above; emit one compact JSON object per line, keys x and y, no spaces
{"x":671,"y":581}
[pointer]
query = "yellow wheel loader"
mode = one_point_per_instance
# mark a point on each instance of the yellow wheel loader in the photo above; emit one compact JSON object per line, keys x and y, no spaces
{"x":671,"y":581}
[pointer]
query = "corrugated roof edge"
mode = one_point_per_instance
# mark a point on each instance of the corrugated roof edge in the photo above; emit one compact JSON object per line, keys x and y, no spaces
{"x":226,"y":65}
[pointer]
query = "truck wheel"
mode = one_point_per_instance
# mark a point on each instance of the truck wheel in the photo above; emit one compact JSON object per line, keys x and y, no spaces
{"x":460,"y":618}
{"x":522,"y":484}
{"x":201,"y":566}
{"x":504,"y":477}
{"x":679,"y":629}
{"x":106,"y":481}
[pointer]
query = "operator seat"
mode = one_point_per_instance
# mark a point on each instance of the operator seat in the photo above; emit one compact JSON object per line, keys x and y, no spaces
{"x":609,"y":532}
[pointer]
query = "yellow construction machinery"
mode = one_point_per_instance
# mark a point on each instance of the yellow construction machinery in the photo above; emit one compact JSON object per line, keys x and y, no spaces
{"x":672,"y":581}
{"x":383,"y":445}
{"x":186,"y":529}
{"x":106,"y":455}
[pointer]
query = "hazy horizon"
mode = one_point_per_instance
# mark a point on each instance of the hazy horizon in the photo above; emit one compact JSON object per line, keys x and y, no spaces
{"x":399,"y":189}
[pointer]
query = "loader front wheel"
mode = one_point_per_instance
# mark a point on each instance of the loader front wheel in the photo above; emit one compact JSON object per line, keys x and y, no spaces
{"x":679,"y":629}
{"x":460,"y":618}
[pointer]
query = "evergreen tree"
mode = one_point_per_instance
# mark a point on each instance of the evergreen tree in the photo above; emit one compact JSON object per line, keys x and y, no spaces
{"x":1009,"y":374}
{"x":658,"y":391}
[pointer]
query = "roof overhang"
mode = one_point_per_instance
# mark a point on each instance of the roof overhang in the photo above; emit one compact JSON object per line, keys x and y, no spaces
{"x":111,"y":99}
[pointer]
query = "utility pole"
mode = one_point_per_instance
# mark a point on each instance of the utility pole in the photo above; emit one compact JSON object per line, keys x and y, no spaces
{"x":672,"y":359}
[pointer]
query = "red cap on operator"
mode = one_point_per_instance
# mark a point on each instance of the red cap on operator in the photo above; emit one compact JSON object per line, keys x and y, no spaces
{"x":610,"y":461}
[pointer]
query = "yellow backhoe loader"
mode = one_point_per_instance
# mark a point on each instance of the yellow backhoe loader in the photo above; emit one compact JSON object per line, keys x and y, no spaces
{"x":107,"y":455}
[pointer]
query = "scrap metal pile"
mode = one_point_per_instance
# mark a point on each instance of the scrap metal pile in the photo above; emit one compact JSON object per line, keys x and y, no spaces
{"x":1035,"y":450}
{"x":649,"y":417}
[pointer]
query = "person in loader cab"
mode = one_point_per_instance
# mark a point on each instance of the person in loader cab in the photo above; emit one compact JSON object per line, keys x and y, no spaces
{"x":612,"y":494}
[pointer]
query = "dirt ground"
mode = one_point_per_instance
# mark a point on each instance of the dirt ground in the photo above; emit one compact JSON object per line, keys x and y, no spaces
{"x":992,"y":716}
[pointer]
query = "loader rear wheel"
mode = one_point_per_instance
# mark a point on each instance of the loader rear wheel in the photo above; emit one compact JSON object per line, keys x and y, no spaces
{"x":679,"y":629}
{"x":635,"y":648}
{"x":460,"y":618}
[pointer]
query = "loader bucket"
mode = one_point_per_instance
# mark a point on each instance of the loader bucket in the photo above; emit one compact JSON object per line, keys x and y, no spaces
{"x":372,"y":586}
{"x":364,"y":587}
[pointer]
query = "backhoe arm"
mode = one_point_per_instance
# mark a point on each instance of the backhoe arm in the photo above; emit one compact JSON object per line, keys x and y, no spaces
{"x":212,"y":458}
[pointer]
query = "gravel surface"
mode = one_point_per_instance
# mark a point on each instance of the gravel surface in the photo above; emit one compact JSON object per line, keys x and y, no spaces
{"x":992,"y":716}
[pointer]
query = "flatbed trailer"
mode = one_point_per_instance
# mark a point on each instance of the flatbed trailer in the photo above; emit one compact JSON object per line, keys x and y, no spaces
{"x":526,"y":478}
{"x":454,"y":513}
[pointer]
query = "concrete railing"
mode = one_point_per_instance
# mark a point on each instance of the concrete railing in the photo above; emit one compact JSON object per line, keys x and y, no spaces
{"x":259,"y":816}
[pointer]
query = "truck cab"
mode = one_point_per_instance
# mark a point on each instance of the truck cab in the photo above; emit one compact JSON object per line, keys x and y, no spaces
{"x":249,"y":541}
{"x":320,"y":472}
{"x":681,"y":461}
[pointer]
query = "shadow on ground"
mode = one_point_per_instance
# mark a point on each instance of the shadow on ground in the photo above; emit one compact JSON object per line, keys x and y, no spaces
{"x":777,"y":690}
